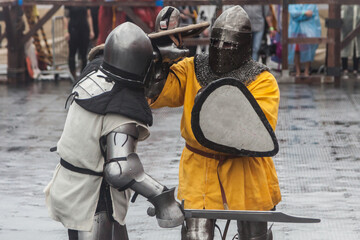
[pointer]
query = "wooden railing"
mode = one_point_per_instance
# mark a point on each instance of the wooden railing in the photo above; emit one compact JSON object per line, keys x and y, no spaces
{"x":332,"y":40}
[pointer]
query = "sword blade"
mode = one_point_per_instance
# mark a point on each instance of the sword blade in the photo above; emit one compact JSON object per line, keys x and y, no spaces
{"x":252,"y":216}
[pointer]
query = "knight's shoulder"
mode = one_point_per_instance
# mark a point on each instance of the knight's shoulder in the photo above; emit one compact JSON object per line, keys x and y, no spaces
{"x":93,"y":84}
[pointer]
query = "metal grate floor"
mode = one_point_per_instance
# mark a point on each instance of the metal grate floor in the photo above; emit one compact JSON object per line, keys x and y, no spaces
{"x":318,"y":164}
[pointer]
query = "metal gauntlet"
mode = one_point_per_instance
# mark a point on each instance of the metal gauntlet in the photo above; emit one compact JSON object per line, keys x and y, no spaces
{"x":165,"y":56}
{"x":123,"y":169}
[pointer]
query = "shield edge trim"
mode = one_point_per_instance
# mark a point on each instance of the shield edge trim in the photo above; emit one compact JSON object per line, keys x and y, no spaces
{"x":199,"y":135}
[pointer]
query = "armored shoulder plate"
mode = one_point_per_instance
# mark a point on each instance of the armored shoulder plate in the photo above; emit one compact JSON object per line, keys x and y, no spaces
{"x":129,"y":129}
{"x":92,"y":85}
{"x":97,"y":93}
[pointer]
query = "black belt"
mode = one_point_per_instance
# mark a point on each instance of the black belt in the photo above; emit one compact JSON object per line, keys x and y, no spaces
{"x":210,"y":155}
{"x":73,"y":168}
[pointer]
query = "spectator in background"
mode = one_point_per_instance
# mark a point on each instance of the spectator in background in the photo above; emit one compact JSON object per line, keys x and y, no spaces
{"x":258,"y":14}
{"x":350,"y":14}
{"x":206,"y":13}
{"x":111,"y":17}
{"x":95,"y":20}
{"x":304,"y":23}
{"x":79,"y":31}
{"x":108,"y":19}
{"x":188,"y":15}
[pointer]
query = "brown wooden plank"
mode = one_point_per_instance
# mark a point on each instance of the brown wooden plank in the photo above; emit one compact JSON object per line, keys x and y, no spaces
{"x":309,"y":40}
{"x":337,"y":53}
{"x":333,"y":51}
{"x":312,"y":79}
{"x":347,"y":40}
{"x":138,"y":3}
{"x":7,"y":2}
{"x":9,"y":30}
{"x":347,"y":2}
{"x":16,"y":53}
{"x":129,"y":3}
{"x":40,"y":23}
{"x":196,"y":41}
{"x":261,"y":2}
{"x":284,"y":37}
{"x":2,"y":36}
{"x":223,"y":2}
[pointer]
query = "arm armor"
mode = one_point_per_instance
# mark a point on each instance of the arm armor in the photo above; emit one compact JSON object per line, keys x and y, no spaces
{"x":123,"y":168}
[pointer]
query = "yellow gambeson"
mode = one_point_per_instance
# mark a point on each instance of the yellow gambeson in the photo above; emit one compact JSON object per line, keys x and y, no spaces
{"x":250,"y":183}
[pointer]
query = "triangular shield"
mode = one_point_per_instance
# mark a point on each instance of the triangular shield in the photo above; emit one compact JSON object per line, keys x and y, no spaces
{"x":227,"y":118}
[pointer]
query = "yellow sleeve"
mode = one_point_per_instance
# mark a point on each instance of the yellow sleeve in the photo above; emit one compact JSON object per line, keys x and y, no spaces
{"x":173,"y":92}
{"x":266,"y":92}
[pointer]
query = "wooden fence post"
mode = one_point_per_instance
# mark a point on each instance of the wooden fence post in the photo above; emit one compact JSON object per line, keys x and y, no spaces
{"x":16,"y":55}
{"x":284,"y":39}
{"x":334,"y":48}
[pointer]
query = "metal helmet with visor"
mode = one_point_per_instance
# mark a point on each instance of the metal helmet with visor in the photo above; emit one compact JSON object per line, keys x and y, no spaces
{"x":230,"y":40}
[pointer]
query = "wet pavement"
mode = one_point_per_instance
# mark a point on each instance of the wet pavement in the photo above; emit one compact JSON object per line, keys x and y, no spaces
{"x":318,"y":163}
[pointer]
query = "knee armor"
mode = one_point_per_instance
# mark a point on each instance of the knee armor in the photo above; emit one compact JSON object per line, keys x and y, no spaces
{"x":198,"y":228}
{"x":253,"y":231}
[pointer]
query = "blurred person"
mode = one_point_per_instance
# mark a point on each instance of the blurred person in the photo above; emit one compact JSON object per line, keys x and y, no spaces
{"x":78,"y":32}
{"x":99,"y":165}
{"x":188,"y":15}
{"x":270,"y":33}
{"x":258,"y":14}
{"x":206,"y":14}
{"x":111,"y":17}
{"x":304,"y":23}
{"x":211,"y":179}
{"x":31,"y":59}
{"x":350,"y":14}
{"x":95,"y":21}
{"x":276,"y":47}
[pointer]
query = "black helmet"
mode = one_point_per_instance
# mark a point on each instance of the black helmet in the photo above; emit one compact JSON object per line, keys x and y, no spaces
{"x":230,"y":40}
{"x":128,"y":55}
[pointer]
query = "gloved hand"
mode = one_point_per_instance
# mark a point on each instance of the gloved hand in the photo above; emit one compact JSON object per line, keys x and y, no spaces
{"x":165,"y":56}
{"x":169,"y":54}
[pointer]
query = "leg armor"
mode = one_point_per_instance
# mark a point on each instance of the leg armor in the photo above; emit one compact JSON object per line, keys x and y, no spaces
{"x":198,"y":228}
{"x":123,"y":169}
{"x":253,"y":231}
{"x":103,"y":229}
